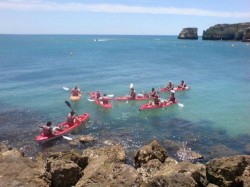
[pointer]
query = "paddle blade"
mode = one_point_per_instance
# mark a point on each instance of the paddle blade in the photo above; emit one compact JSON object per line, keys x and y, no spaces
{"x":91,"y":100}
{"x":131,"y":85}
{"x":110,"y":95}
{"x":65,"y":88}
{"x":68,"y":104}
{"x":67,"y":138}
{"x":180,"y":105}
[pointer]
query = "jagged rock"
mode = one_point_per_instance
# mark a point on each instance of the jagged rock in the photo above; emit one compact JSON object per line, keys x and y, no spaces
{"x":64,"y":173}
{"x":156,"y":173}
{"x":226,"y":32}
{"x":229,"y":171}
{"x":80,"y":160}
{"x":109,"y":174}
{"x":83,"y":139}
{"x":106,"y":168}
{"x":114,"y":153}
{"x":212,"y":185}
{"x":246,"y":35}
{"x":151,"y":151}
{"x":185,"y":153}
{"x":18,"y":170}
{"x":188,"y":33}
{"x":175,"y":180}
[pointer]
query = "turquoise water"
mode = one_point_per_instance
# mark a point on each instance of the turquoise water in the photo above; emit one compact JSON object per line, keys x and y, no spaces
{"x":35,"y":68}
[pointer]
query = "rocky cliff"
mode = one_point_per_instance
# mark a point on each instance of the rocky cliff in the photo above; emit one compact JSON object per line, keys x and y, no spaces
{"x":188,"y":33}
{"x":227,"y":32}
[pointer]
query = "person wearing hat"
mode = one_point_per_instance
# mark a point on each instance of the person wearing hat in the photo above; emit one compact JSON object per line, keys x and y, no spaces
{"x":170,"y":85}
{"x":182,"y":85}
{"x":76,"y":91}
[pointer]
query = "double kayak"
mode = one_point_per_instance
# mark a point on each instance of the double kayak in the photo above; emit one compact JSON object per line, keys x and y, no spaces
{"x":175,"y":89}
{"x":137,"y":98}
{"x":152,"y":106}
{"x":75,"y":98}
{"x":63,"y":128}
{"x":97,"y":101}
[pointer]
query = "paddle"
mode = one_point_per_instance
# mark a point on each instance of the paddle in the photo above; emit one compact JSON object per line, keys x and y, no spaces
{"x":67,"y":138}
{"x":69,"y":105}
{"x":65,"y":88}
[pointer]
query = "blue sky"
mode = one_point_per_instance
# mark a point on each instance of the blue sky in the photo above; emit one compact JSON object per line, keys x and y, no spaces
{"x":141,"y":17}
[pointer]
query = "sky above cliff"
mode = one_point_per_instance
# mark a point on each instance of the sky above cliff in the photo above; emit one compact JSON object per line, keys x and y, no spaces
{"x":141,"y":17}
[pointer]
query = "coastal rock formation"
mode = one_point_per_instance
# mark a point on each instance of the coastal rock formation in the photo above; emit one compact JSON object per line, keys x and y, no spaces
{"x":18,"y":170}
{"x":246,"y":35}
{"x":188,"y":33}
{"x":229,"y":171}
{"x":148,"y":152}
{"x":227,"y":32}
{"x":106,"y":166}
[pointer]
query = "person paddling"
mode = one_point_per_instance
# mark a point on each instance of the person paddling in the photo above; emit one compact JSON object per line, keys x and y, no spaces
{"x":182,"y":85}
{"x":172,"y":98}
{"x":170,"y":86}
{"x":47,"y":129}
{"x":76,"y":91}
{"x":71,"y":118}
{"x":104,"y":99}
{"x":132,"y":94}
{"x":97,"y":94}
{"x":153,"y":93}
{"x":157,"y":101}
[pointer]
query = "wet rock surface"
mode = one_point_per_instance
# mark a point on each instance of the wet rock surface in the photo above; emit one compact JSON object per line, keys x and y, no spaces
{"x":106,"y":166}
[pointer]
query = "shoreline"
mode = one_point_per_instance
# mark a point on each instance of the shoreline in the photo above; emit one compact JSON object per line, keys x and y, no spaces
{"x":107,"y":165}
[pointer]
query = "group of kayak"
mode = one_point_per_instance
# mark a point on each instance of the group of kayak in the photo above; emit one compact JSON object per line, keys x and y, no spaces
{"x":74,"y":120}
{"x":104,"y":100}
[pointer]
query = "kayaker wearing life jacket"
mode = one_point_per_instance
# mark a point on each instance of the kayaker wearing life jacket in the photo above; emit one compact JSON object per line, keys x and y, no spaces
{"x":157,"y":101}
{"x":182,"y":85}
{"x":172,"y":98}
{"x":71,"y":118}
{"x":104,"y":99}
{"x":75,"y":91}
{"x":152,"y":93}
{"x":170,"y":85}
{"x":132,"y":94}
{"x":97,"y":94}
{"x":47,"y":129}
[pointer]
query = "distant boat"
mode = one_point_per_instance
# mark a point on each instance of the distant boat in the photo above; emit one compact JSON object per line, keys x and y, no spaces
{"x":96,"y":40}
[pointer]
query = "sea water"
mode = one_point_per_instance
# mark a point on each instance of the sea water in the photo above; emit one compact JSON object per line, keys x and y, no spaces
{"x":34,"y":68}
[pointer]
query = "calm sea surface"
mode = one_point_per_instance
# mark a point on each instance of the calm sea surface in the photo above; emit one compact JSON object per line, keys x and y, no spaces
{"x":33,"y":70}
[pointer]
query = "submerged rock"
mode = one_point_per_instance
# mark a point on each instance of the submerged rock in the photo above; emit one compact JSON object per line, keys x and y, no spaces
{"x":185,"y":153}
{"x":188,"y":33}
{"x":226,"y":32}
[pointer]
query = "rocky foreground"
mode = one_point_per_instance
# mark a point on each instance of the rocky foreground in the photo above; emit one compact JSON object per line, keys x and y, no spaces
{"x":106,"y":166}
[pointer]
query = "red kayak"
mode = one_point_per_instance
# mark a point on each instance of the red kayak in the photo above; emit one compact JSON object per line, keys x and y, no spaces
{"x":175,"y":89}
{"x":162,"y":105}
{"x":137,"y":98}
{"x":63,"y":128}
{"x":108,"y":106}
